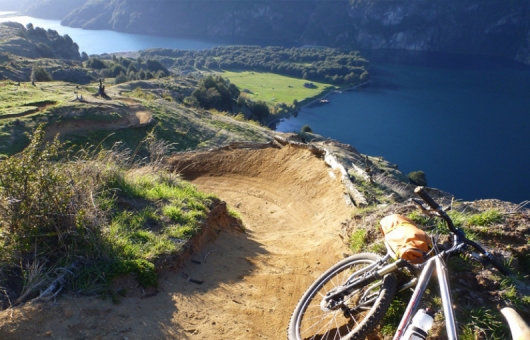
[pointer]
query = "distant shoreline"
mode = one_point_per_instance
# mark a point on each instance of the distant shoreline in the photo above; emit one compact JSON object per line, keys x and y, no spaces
{"x":327,"y":93}
{"x":311,"y":101}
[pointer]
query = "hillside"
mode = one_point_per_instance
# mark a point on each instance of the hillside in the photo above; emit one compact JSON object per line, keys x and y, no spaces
{"x":245,"y":285}
{"x":491,"y":27}
{"x":47,"y":81}
{"x":251,"y":280}
{"x":36,"y":42}
{"x":192,"y":221}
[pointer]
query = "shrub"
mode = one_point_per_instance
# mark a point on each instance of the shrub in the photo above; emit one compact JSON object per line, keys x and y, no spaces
{"x":96,"y":63}
{"x":191,"y":101}
{"x":260,"y":110}
{"x":45,"y":206}
{"x":155,"y":66}
{"x":40,"y":74}
{"x":121,"y":78}
{"x":306,"y":128}
{"x":417,"y":178}
{"x":240,"y":117}
{"x":116,"y":69}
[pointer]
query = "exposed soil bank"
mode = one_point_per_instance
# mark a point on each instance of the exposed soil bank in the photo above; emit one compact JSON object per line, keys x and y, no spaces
{"x":292,"y":210}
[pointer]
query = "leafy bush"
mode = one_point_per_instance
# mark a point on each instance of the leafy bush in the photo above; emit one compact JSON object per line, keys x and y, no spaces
{"x":40,"y":74}
{"x":116,"y":69}
{"x":96,"y":63}
{"x":417,"y":178}
{"x":306,"y":128}
{"x":121,"y":78}
{"x":45,"y":206}
{"x":155,"y":66}
{"x":260,"y":110}
{"x":216,"y":93}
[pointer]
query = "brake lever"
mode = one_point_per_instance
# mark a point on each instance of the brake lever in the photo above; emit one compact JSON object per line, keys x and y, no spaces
{"x":478,"y":258}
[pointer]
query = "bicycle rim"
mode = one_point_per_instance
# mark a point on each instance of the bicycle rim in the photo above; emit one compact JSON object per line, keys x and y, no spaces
{"x":359,"y":312}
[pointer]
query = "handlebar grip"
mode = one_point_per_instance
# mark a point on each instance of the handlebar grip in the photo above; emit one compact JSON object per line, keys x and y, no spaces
{"x":426,"y":198}
{"x":499,"y":265}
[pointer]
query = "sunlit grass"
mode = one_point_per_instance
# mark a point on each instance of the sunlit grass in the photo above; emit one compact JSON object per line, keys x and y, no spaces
{"x":274,"y":88}
{"x":357,"y":240}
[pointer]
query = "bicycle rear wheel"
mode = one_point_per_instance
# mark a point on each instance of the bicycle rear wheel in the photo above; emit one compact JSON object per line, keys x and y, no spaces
{"x":354,"y":316}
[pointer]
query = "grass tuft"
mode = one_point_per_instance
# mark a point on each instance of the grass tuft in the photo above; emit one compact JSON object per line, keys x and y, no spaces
{"x":357,"y":240}
{"x":97,"y":211}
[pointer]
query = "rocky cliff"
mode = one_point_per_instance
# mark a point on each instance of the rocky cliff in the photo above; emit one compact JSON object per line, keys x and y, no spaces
{"x":491,"y":27}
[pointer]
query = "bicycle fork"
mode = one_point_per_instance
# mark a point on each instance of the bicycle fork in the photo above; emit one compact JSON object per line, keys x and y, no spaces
{"x":412,"y":308}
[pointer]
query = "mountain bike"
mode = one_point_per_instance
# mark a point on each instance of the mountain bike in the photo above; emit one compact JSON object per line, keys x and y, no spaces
{"x":351,"y":298}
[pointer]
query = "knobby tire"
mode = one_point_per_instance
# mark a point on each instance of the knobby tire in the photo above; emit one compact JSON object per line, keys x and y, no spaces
{"x":311,"y":322}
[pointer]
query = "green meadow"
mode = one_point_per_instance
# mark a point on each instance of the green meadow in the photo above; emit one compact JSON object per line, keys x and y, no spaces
{"x":273,"y":88}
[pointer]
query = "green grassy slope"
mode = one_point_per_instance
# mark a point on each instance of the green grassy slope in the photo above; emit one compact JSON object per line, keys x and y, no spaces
{"x":273,"y":88}
{"x":54,"y":104}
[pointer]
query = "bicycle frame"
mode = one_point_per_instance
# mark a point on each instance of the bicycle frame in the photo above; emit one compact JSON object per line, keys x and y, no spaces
{"x":435,"y":262}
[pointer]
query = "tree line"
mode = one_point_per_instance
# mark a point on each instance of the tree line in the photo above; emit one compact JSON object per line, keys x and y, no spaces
{"x":216,"y":92}
{"x":49,"y":43}
{"x":127,"y":69}
{"x":329,"y":65}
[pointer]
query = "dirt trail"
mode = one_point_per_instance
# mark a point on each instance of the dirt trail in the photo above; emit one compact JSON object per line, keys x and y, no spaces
{"x":41,"y":106}
{"x":292,"y":209}
{"x":137,"y":116}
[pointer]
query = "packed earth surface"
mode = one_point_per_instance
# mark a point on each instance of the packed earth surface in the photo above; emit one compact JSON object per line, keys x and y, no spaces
{"x":241,"y":284}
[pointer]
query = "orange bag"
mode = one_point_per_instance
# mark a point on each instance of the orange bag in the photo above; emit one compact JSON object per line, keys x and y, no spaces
{"x":405,"y":239}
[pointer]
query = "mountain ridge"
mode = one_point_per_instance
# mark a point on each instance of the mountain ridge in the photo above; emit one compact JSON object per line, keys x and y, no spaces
{"x":489,"y":27}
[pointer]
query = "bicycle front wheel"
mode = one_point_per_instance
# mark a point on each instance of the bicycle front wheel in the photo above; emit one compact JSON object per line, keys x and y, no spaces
{"x":354,"y":315}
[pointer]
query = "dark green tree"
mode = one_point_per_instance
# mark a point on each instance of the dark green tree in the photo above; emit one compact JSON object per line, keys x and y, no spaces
{"x":38,"y":73}
{"x":417,"y":178}
{"x":96,"y":63}
{"x":121,"y":78}
{"x":260,"y":110}
{"x":306,"y":128}
{"x":116,"y":69}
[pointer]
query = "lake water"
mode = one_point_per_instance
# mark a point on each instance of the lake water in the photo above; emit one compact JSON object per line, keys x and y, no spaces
{"x":105,"y":41}
{"x":464,"y":121}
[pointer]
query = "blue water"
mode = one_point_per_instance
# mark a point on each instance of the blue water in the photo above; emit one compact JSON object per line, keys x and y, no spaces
{"x":105,"y":41}
{"x":463,"y":120}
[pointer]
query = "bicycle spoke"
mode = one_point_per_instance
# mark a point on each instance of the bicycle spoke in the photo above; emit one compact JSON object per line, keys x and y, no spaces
{"x":340,"y":317}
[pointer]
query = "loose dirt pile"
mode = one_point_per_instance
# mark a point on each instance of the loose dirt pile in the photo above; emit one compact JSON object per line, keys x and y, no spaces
{"x":292,"y":207}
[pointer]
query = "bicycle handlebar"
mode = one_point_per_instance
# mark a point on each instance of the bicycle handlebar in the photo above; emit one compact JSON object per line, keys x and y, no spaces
{"x":427,"y":199}
{"x":459,"y":235}
{"x":436,"y":208}
{"x":490,"y":258}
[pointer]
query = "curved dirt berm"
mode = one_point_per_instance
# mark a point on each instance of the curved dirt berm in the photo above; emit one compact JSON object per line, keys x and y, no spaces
{"x":292,"y":208}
